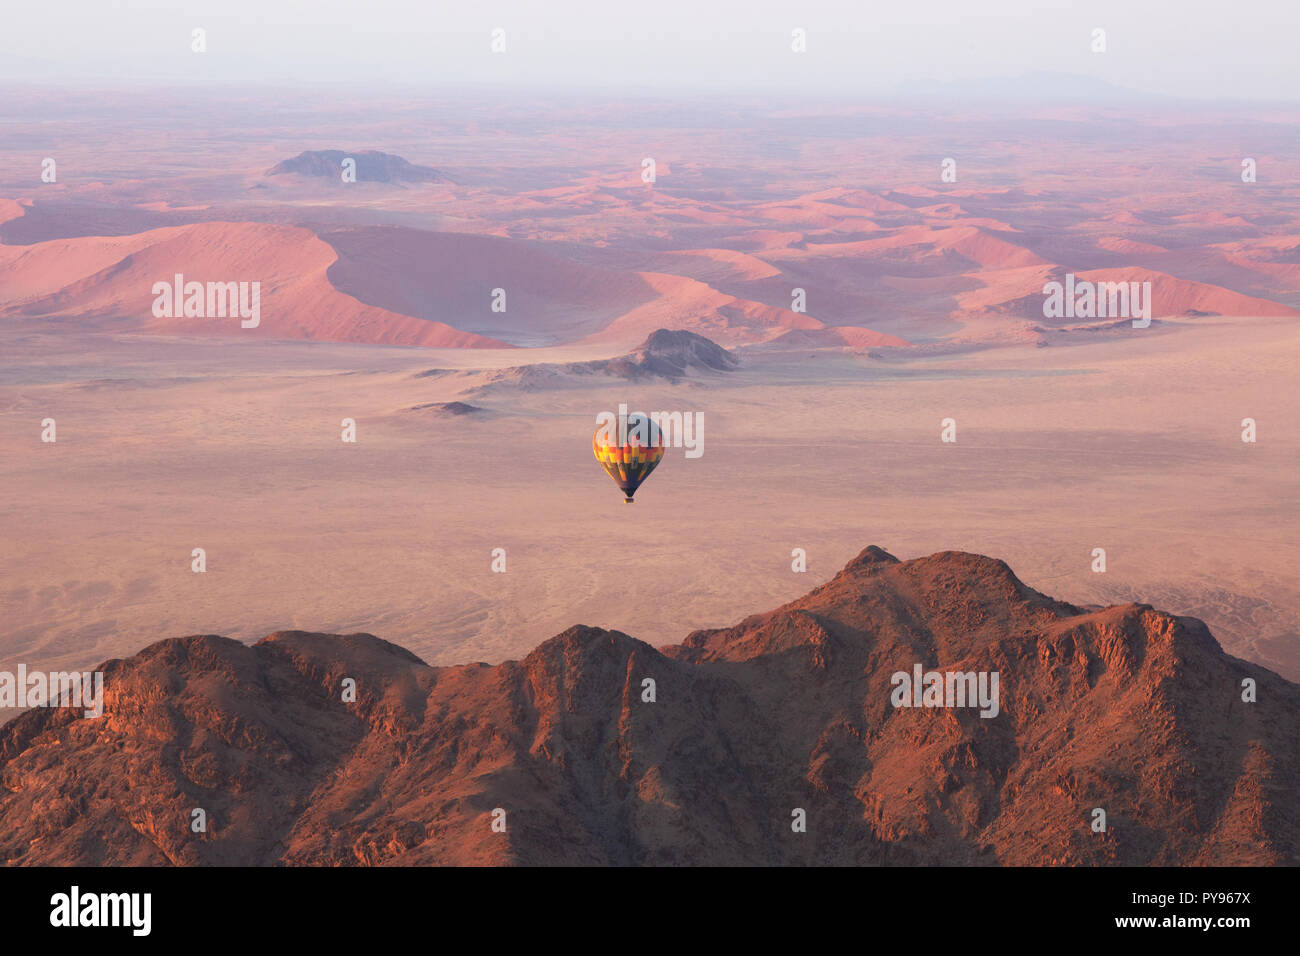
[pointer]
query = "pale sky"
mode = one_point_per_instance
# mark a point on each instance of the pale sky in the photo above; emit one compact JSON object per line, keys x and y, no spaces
{"x":1195,"y":48}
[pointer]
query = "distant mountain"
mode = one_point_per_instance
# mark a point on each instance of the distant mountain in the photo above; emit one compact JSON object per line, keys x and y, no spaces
{"x":599,"y":749}
{"x":372,"y":167}
{"x":449,"y":409}
{"x":669,"y":354}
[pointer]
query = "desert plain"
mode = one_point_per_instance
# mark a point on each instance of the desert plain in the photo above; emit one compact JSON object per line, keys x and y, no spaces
{"x":473,"y":426}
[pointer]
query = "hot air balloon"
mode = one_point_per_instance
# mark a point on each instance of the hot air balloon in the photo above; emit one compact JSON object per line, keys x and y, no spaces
{"x":629,"y":464}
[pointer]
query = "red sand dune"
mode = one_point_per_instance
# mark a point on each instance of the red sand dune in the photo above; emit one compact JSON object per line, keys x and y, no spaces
{"x":1128,"y":247}
{"x":688,"y":304}
{"x":664,"y":260}
{"x":760,"y":239}
{"x":1124,"y":217}
{"x":42,"y":269}
{"x":840,"y":335}
{"x":297,"y":299}
{"x":859,"y":199}
{"x":449,"y":277}
{"x":816,"y":215}
{"x":1174,"y":296}
{"x":1020,"y":292}
{"x":935,"y":246}
{"x":1273,"y":262}
{"x":1017,"y":291}
{"x":711,"y":265}
{"x":11,"y":209}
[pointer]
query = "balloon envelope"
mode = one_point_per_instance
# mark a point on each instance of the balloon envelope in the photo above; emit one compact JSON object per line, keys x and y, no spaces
{"x":632,"y":461}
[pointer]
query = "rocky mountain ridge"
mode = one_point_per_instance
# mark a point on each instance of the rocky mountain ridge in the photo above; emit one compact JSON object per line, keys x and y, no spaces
{"x":598,"y":748}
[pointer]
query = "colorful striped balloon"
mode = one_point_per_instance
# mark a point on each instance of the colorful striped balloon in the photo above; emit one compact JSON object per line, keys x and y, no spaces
{"x":629,"y":464}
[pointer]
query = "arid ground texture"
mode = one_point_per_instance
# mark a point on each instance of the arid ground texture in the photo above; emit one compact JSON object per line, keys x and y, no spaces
{"x":395,"y":439}
{"x":923,"y":302}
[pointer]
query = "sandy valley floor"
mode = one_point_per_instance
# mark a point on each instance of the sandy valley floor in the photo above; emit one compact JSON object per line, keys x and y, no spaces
{"x":168,"y":445}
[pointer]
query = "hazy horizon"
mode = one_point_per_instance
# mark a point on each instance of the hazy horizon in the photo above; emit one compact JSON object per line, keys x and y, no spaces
{"x":1162,"y":48}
